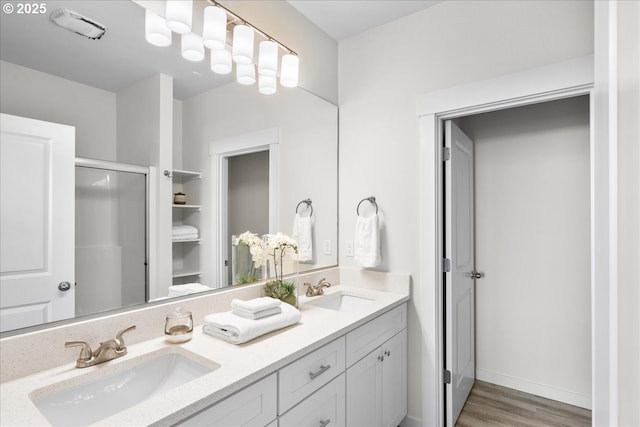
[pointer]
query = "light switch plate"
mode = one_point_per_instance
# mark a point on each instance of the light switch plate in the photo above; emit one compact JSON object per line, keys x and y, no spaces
{"x":327,"y":247}
{"x":348,"y":247}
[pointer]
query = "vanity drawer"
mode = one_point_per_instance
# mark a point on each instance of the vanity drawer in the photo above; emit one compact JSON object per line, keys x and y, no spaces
{"x":325,"y":407}
{"x":307,"y":374}
{"x":369,"y":336}
{"x":254,"y":406}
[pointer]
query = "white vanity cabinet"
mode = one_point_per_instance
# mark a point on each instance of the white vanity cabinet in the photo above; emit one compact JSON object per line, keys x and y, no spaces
{"x":357,"y":380}
{"x":376,"y":389}
{"x":254,"y":406}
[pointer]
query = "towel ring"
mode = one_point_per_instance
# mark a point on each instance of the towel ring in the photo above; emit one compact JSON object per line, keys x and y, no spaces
{"x":370,"y":199}
{"x":308,"y":203}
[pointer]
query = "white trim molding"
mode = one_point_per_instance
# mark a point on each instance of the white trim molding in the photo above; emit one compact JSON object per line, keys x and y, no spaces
{"x":556,"y":81}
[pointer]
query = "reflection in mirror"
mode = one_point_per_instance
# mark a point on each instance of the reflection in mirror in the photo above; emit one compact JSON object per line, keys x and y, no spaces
{"x":136,"y":105}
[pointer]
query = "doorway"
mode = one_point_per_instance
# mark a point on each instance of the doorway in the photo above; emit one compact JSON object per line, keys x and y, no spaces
{"x":532,"y":222}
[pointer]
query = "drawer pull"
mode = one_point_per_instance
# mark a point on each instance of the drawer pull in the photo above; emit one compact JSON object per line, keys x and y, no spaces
{"x":325,"y":423}
{"x":322,"y":369}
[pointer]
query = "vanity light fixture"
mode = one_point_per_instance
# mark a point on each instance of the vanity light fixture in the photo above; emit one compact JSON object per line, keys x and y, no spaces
{"x":225,"y":50}
{"x":243,"y":44}
{"x":221,"y":61}
{"x":156,"y":31}
{"x":214,"y":28}
{"x":267,"y":84}
{"x":246,"y":74}
{"x":179,"y":15}
{"x":192,"y":47}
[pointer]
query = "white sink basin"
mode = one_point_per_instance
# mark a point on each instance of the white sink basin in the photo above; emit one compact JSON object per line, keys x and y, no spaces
{"x":341,"y":302}
{"x":95,"y":396}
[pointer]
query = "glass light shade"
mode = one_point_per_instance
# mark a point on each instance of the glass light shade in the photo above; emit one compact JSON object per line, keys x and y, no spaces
{"x":289,"y":70}
{"x":242,"y":44}
{"x":192,"y":47}
{"x":267,"y":84}
{"x":246,"y":74}
{"x":268,"y":58}
{"x":179,"y":15}
{"x":214,"y":30}
{"x":155,"y":29}
{"x":221,"y":61}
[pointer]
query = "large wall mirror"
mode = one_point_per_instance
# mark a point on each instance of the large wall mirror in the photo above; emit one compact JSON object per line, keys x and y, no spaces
{"x":169,"y":164}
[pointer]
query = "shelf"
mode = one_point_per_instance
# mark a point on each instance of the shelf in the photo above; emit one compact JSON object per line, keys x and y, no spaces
{"x":185,"y":240}
{"x":198,"y":207}
{"x":186,"y":175}
{"x":183,"y":273}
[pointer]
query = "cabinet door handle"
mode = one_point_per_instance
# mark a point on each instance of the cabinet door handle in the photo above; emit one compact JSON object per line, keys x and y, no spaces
{"x":322,"y":369}
{"x":325,"y":423}
{"x":387,"y":353}
{"x":381,"y":358}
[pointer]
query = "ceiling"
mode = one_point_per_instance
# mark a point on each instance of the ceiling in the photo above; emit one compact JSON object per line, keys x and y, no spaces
{"x":344,"y":18}
{"x":122,"y":56}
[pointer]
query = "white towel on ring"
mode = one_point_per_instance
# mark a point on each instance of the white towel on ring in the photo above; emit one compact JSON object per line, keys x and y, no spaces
{"x":367,"y":241}
{"x":302,"y":231}
{"x":237,"y":330}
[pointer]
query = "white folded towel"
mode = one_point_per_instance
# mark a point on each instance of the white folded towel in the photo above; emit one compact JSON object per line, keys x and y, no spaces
{"x":185,"y":237}
{"x":255,"y":305}
{"x":187,"y":289}
{"x":367,"y":241}
{"x":257,"y":315}
{"x":237,"y":330}
{"x":181,"y":230}
{"x":302,"y":231}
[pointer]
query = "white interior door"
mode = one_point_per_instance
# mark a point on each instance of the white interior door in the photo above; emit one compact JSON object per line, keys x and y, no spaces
{"x":37,"y":222}
{"x":459,"y":281}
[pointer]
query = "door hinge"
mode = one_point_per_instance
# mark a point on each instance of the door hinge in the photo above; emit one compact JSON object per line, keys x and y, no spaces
{"x":446,"y":265}
{"x":446,"y":153}
{"x":446,"y":376}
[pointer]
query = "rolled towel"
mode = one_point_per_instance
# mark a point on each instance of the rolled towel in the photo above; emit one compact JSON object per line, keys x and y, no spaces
{"x":237,"y":330}
{"x":302,"y":232}
{"x":257,"y":315}
{"x":255,"y":305}
{"x":367,"y":241}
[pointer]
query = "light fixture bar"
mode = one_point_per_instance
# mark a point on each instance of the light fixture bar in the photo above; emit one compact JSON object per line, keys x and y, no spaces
{"x":256,"y":29}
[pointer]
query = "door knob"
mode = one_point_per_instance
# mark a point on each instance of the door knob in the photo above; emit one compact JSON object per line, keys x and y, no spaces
{"x":477,"y":275}
{"x":64,"y":286}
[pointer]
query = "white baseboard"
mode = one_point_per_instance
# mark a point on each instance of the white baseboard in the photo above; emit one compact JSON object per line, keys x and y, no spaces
{"x":543,"y":390}
{"x":410,"y":422}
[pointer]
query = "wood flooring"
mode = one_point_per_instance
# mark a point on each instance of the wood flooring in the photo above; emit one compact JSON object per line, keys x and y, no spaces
{"x":493,"y":405}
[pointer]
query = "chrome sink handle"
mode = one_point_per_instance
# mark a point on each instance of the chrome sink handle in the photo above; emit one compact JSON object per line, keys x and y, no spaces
{"x":119,"y":338}
{"x":85,"y":353}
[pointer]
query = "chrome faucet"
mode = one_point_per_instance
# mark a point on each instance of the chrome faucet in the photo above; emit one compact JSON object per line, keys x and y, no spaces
{"x":108,"y":350}
{"x":315,"y":290}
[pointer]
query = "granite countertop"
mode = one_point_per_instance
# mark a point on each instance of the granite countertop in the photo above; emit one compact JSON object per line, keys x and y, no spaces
{"x":240,"y":365}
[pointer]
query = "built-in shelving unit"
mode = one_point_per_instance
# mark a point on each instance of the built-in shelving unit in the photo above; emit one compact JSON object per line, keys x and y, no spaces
{"x":186,"y":252}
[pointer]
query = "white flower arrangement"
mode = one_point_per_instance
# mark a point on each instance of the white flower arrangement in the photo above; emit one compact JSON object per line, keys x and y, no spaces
{"x":256,"y":249}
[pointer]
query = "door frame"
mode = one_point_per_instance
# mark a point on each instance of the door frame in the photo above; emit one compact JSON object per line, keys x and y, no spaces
{"x":556,"y":81}
{"x":219,"y":152}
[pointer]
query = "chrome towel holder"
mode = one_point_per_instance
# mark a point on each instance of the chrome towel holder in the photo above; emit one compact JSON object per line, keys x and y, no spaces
{"x":370,"y":199}
{"x":308,"y":203}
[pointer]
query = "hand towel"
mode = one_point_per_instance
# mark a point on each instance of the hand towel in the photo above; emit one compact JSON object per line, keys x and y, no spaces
{"x":302,"y":230}
{"x":255,"y":305}
{"x":367,"y":241}
{"x":187,"y":289}
{"x":237,"y":330}
{"x":258,"y":314}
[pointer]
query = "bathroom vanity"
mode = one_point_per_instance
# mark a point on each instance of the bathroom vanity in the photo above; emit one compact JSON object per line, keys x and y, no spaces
{"x":344,"y":364}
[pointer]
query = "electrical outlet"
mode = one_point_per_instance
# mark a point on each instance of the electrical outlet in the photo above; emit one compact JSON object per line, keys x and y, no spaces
{"x":327,"y":247}
{"x":348,"y":247}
